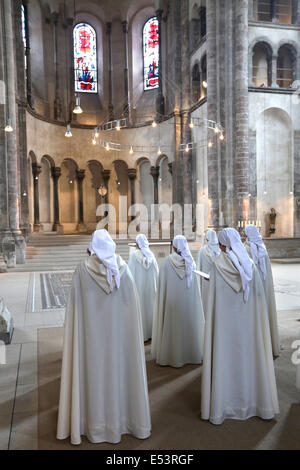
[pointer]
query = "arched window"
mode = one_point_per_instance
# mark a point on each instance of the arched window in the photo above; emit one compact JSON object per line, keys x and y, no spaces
{"x":262,"y":65}
{"x":85,"y":58}
{"x":196,"y":88}
{"x":151,"y":53}
{"x":286,"y":66}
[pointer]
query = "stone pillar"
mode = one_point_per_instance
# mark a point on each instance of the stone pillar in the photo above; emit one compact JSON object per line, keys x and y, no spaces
{"x":81,"y":227}
{"x":154,"y":172}
{"x":160,"y":102}
{"x":212,"y":152}
{"x":273,"y":5}
{"x":132,"y":178}
{"x":274,"y":71}
{"x":36,"y":170}
{"x":251,"y":10}
{"x":297,"y":12}
{"x":30,"y":100}
{"x":106,"y":176}
{"x":21,"y":125}
{"x":110,"y":77}
{"x":55,"y":173}
{"x":57,"y":100}
{"x":250,"y":68}
{"x":11,"y":142}
{"x":241,"y":114}
{"x":126,"y":109}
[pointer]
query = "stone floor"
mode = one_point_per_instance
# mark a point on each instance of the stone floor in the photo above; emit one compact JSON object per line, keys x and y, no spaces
{"x":35,"y":300}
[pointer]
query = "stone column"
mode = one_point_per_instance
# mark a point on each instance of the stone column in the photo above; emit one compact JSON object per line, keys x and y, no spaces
{"x":55,"y":173}
{"x":154,"y":172}
{"x":30,"y":100}
{"x":110,"y":77}
{"x":11,"y":142}
{"x":160,"y":102}
{"x":250,"y":68}
{"x":241,"y":113}
{"x":296,"y":4}
{"x":36,"y":171}
{"x":106,"y":176}
{"x":251,"y":10}
{"x":273,"y":5}
{"x":81,"y":227}
{"x":21,"y":125}
{"x":132,"y":178}
{"x":274,"y":71}
{"x":126,"y":110}
{"x":57,"y":100}
{"x":212,"y":152}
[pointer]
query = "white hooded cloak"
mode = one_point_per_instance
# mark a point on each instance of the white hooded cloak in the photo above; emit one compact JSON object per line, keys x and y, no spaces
{"x":144,"y":269}
{"x":238,"y":379}
{"x":178,"y":322}
{"x":258,"y":253}
{"x":104,"y":391}
{"x":206,"y":257}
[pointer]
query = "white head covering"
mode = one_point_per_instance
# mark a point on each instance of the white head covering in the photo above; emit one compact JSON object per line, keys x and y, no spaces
{"x":257,"y":248}
{"x":181,"y":244}
{"x":235,"y":249}
{"x":103,"y":246}
{"x":212,"y":243}
{"x":143,"y":244}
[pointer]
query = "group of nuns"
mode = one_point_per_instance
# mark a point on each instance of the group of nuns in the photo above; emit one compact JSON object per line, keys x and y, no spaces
{"x":226,"y":322}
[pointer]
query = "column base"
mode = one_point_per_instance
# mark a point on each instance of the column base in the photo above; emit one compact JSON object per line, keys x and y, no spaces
{"x":58,"y":228}
{"x":37,"y":227}
{"x":20,"y":247}
{"x":3,"y":267}
{"x":81,"y":227}
{"x":9,"y":250}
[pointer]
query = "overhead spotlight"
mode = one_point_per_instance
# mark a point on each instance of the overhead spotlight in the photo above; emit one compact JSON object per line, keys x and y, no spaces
{"x":118,"y":126}
{"x":159,"y":151}
{"x":249,"y":195}
{"x":94,"y":141}
{"x":191,"y":124}
{"x":68,"y":131}
{"x":107,"y":146}
{"x":97,"y":132}
{"x":222,"y":137}
{"x":70,"y":181}
{"x":8,"y":127}
{"x":187,"y":149}
{"x":197,"y":181}
{"x":216,"y":129}
{"x":119,"y":183}
{"x":204,"y":83}
{"x":154,"y":124}
{"x":291,"y":192}
{"x":131,"y":150}
{"x":24,"y":194}
{"x":210,"y":144}
{"x":77,"y":109}
{"x":265,"y":192}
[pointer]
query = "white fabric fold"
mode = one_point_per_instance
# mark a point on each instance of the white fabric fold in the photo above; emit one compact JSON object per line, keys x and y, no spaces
{"x":182,"y":247}
{"x":103,"y":246}
{"x":143,"y":245}
{"x":235,"y":249}
{"x":257,"y":248}
{"x":213,"y":248}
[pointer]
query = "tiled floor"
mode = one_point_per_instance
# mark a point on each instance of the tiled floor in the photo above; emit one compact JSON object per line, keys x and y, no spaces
{"x":18,"y":377}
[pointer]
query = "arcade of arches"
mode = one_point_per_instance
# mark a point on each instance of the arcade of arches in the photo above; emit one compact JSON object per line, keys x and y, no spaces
{"x":146,"y":62}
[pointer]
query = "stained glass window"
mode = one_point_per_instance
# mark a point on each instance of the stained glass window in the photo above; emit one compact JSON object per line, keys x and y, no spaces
{"x":151,"y":54}
{"x":23,"y":18}
{"x":85,"y":58}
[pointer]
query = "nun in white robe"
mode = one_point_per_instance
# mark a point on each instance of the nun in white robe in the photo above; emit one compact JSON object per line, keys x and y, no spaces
{"x":258,"y":253}
{"x":144,"y":269}
{"x":206,"y":257}
{"x":238,"y":379}
{"x":103,"y":390}
{"x":178,"y":322}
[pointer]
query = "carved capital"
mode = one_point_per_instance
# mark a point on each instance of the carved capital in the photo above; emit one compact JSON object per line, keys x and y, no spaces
{"x":131,"y":173}
{"x":36,"y":169}
{"x":154,"y":172}
{"x":55,"y":172}
{"x":80,"y":174}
